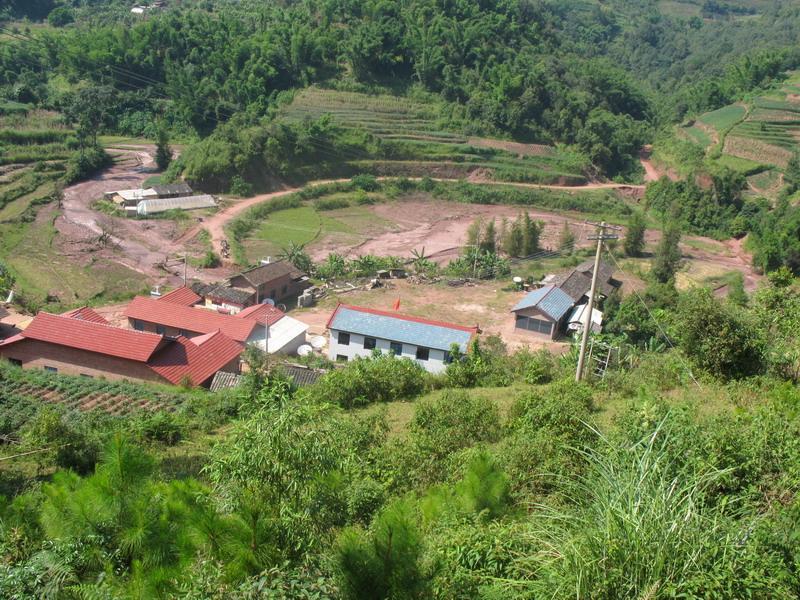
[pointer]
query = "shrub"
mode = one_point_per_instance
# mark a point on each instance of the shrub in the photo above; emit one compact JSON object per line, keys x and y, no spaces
{"x":240,"y":187}
{"x":368,"y":183}
{"x":379,"y":378}
{"x":331,"y":204}
{"x":718,"y":337}
{"x":86,"y":163}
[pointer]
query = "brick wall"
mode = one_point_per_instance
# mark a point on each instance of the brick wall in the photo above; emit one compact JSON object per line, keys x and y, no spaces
{"x":71,"y":361}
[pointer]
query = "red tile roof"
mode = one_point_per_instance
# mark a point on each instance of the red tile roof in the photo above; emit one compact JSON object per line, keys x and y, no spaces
{"x":196,"y":320}
{"x":262,"y":314}
{"x":182,"y":295}
{"x":93,"y":337}
{"x":396,"y":315}
{"x":86,"y":314}
{"x":184,"y":360}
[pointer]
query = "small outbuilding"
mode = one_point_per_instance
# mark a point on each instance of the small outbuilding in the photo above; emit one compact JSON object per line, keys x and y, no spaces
{"x":543,"y":311}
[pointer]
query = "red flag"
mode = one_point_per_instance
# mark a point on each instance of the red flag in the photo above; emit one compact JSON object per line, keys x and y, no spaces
{"x":396,"y":304}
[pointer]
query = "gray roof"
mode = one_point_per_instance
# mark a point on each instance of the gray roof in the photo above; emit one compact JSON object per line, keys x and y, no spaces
{"x":551,"y":300}
{"x":400,"y":328}
{"x":262,"y":274}
{"x":225,"y":293}
{"x":148,"y":207}
{"x":223,"y":380}
{"x":574,"y":283}
{"x":172,"y":189}
{"x":302,"y":376}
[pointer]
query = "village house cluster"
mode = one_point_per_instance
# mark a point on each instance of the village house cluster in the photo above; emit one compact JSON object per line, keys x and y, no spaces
{"x":196,"y":335}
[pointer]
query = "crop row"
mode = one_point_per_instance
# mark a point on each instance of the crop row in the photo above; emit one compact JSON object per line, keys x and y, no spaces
{"x":115,"y":397}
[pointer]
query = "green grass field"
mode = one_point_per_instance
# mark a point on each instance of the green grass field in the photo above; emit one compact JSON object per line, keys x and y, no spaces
{"x":724,"y":117}
{"x":421,"y":139}
{"x":307,"y":224}
{"x":698,"y":136}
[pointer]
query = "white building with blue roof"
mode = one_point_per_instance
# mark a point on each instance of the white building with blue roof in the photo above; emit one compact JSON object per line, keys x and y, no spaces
{"x":356,"y":331}
{"x":543,"y":311}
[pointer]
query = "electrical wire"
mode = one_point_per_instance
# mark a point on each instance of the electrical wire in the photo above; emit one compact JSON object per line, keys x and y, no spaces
{"x":652,"y":316}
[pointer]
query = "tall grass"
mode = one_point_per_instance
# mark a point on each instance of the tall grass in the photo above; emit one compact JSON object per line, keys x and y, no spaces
{"x":642,"y":530}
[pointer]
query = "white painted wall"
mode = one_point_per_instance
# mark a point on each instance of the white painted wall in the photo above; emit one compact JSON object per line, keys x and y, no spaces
{"x":434,"y":364}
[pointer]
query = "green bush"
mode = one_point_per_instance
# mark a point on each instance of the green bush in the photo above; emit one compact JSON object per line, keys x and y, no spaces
{"x":379,"y":378}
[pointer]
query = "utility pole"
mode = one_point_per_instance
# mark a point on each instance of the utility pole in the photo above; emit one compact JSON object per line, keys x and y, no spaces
{"x":587,"y":316}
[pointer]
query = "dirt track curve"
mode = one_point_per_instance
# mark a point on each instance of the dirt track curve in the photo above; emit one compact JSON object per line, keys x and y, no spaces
{"x":215,"y":224}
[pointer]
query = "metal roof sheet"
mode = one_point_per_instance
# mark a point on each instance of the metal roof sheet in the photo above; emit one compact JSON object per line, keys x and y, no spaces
{"x":551,"y":300}
{"x":400,"y":328}
{"x":148,"y":207}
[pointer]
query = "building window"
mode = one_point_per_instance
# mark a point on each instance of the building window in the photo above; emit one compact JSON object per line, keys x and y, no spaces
{"x":15,"y":361}
{"x":341,"y":358}
{"x":50,"y":369}
{"x":272,"y":294}
{"x":423,"y":353}
{"x":284,"y":289}
{"x":370,"y":343}
{"x":396,"y":348}
{"x":160,"y":329}
{"x":138,"y":325}
{"x":344,"y":338}
{"x":448,"y":358}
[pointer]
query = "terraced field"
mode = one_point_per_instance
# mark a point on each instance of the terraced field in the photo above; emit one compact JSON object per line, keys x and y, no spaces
{"x":756,"y":138}
{"x":424,"y":142}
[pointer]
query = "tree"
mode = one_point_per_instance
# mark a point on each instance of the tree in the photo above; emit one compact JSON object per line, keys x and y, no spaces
{"x":718,"y":337}
{"x":297,"y":255}
{"x":566,"y":239}
{"x":531,"y":231}
{"x":387,"y":562}
{"x":163,"y":151}
{"x":89,"y":110}
{"x":6,"y":281}
{"x":474,"y":232}
{"x":634,"y":236}
{"x":488,"y":241}
{"x":668,"y":255}
{"x":791,"y":175}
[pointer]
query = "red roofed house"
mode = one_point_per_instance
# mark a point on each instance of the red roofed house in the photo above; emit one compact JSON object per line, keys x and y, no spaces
{"x":77,"y":345}
{"x":182,"y":295}
{"x":246,"y":327}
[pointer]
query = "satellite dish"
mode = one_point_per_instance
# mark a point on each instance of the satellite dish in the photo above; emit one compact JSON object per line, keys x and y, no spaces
{"x":304,"y":350}
{"x":318,"y":342}
{"x":269,"y":301}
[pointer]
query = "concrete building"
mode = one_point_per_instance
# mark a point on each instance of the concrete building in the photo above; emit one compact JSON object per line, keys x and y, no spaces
{"x":357,"y":332}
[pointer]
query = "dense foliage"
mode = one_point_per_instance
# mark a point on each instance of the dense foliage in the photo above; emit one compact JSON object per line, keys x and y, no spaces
{"x":674,"y":476}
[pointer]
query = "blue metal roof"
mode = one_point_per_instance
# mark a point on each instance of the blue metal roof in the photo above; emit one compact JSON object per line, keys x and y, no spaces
{"x":551,"y":300}
{"x":396,"y":328}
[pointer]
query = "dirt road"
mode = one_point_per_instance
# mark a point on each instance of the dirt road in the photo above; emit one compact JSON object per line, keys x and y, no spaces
{"x":215,"y":225}
{"x":138,"y":245}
